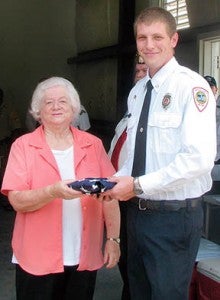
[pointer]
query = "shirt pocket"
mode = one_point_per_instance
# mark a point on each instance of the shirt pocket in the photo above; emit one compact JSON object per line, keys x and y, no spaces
{"x":165,"y":132}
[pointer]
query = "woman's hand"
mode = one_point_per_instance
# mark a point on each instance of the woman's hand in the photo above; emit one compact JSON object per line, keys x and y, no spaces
{"x":60,"y":189}
{"x":111,"y":254}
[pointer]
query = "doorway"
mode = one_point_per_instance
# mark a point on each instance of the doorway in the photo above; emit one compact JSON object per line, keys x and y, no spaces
{"x":209,"y":62}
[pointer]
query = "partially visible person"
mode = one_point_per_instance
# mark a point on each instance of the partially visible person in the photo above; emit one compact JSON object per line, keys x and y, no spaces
{"x":10,"y":129}
{"x":140,"y":69}
{"x":165,"y":178}
{"x":118,"y":155}
{"x":216,"y":169}
{"x":213,"y":85}
{"x":30,"y":123}
{"x":58,"y":232}
{"x":82,"y":122}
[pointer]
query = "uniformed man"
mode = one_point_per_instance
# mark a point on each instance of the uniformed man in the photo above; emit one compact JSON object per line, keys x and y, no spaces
{"x":165,"y":215}
{"x":118,"y":155}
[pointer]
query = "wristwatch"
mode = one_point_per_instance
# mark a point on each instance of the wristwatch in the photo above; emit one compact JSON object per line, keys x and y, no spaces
{"x":116,"y":240}
{"x":137,"y":187}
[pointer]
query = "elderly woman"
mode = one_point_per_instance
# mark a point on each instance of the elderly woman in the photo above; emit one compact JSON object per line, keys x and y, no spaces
{"x":58,"y":231}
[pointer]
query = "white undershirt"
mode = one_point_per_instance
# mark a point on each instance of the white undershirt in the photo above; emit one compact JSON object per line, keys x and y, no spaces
{"x":72,"y":213}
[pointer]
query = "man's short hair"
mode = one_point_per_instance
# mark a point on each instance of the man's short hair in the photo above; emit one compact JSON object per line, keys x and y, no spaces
{"x":156,"y":14}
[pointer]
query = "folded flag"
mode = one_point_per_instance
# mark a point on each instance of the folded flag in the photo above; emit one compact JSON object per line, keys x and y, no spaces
{"x":92,"y":185}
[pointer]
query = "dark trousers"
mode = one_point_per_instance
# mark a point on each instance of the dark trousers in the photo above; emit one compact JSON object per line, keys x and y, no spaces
{"x":162,"y":248}
{"x":69,"y":285}
{"x":123,"y":261}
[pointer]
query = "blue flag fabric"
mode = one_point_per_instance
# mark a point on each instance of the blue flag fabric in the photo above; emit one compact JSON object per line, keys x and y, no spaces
{"x":92,"y":185}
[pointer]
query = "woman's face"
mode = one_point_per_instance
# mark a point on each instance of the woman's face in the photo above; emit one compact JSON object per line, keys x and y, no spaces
{"x":56,"y":108}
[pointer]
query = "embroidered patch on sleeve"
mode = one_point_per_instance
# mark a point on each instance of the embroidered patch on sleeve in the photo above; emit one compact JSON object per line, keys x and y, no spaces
{"x":201,"y":98}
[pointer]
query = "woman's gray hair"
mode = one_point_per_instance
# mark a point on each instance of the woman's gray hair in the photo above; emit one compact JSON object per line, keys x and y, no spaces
{"x":39,"y":93}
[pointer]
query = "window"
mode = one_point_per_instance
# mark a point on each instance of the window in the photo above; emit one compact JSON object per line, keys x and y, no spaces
{"x":178,"y":9}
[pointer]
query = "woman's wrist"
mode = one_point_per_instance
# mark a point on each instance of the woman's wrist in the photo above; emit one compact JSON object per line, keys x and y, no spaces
{"x":114,"y":239}
{"x":50,"y":191}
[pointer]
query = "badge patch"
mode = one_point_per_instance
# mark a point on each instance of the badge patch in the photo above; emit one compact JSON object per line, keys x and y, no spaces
{"x":201,"y":98}
{"x":166,"y":101}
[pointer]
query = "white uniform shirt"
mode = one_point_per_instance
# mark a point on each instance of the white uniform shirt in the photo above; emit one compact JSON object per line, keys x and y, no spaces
{"x":181,"y":136}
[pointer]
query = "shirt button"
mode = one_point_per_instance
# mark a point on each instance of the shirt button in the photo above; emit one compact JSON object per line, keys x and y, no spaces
{"x":141,"y":129}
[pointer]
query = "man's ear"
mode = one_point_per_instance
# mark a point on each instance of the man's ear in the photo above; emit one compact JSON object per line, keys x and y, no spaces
{"x":174,"y":39}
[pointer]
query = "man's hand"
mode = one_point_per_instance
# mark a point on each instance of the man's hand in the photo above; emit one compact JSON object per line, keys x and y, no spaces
{"x":122,"y":191}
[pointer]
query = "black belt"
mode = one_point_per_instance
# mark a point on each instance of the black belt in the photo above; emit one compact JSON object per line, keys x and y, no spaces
{"x":172,"y":205}
{"x":217,"y":162}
